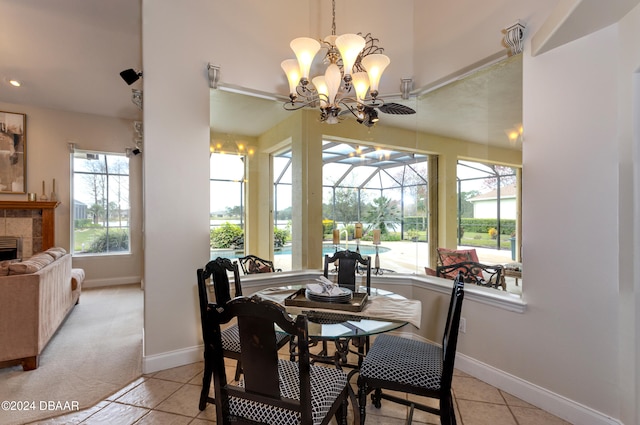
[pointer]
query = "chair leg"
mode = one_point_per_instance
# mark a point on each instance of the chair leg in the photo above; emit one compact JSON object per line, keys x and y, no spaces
{"x":343,"y":412}
{"x":447,"y":414}
{"x":206,"y":381}
{"x":362,"y":401}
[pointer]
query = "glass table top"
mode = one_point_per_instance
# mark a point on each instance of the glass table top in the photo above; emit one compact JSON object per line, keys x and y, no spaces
{"x":337,"y":324}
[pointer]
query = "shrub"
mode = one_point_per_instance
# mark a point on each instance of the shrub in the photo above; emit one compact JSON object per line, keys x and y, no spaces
{"x":226,"y":235}
{"x":327,"y":228}
{"x":280,"y":236}
{"x":114,"y":240}
{"x":493,"y":233}
{"x":85,"y":223}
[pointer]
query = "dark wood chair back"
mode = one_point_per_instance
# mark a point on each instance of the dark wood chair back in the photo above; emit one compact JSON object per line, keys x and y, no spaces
{"x":350,"y":263}
{"x":218,"y":270}
{"x":252,"y":264}
{"x":256,"y":319}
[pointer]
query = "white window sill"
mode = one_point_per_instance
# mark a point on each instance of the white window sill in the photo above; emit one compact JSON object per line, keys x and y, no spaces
{"x":489,"y":296}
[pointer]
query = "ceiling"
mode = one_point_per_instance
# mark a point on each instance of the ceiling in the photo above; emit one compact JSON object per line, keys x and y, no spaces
{"x":477,"y":107}
{"x":68,"y":54}
{"x":77,"y":69}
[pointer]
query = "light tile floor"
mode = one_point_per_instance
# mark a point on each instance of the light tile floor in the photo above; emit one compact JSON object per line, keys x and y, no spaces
{"x":170,"y":397}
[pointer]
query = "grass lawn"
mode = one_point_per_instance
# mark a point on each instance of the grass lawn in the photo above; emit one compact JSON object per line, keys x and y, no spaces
{"x":84,"y":236}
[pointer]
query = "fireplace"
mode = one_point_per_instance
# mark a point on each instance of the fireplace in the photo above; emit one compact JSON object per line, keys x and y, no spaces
{"x":33,"y":222}
{"x":10,"y":248}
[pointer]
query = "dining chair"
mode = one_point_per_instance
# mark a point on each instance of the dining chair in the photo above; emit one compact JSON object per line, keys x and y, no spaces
{"x":252,"y":264}
{"x":273,"y":390}
{"x":349,"y":264}
{"x":415,"y":367}
{"x":217,"y":270}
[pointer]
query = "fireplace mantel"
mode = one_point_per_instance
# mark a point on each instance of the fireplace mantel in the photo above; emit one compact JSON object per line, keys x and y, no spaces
{"x":28,"y":205}
{"x":45,"y":209}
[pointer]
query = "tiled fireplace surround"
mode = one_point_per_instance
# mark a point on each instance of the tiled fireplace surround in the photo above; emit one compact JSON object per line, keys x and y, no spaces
{"x":33,"y":222}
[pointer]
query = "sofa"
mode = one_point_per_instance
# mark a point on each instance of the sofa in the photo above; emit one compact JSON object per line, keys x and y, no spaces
{"x":36,"y":295}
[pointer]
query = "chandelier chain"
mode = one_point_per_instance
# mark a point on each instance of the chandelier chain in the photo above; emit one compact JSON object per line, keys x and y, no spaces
{"x":333,"y":22}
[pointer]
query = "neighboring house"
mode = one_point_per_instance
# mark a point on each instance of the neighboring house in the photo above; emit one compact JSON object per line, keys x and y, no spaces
{"x":485,"y":205}
{"x":80,"y":209}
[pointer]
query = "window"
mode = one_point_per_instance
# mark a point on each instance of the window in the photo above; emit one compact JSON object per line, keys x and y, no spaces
{"x":226,"y":211}
{"x":101,"y":209}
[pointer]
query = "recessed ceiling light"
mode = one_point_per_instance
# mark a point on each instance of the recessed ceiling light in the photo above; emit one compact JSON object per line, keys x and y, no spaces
{"x":15,"y":83}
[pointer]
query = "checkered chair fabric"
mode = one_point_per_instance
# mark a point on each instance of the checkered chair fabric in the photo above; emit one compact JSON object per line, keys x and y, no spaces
{"x":415,"y":363}
{"x":326,"y":385}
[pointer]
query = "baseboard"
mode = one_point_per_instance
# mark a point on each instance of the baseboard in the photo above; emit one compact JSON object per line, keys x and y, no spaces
{"x":96,"y":283}
{"x":555,"y":404}
{"x":169,"y":359}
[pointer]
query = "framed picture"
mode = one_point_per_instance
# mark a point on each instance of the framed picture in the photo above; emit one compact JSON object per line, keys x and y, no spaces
{"x":13,"y":152}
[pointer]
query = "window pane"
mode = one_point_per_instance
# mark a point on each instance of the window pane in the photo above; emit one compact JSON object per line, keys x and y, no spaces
{"x":226,"y":208}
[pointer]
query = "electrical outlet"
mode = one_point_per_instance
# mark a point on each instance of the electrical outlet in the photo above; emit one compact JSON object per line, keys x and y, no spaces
{"x":463,"y":325}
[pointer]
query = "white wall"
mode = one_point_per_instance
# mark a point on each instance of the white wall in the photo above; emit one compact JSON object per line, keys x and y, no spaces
{"x":177,"y":40}
{"x":569,"y":241}
{"x":629,"y":215}
{"x":48,"y":157}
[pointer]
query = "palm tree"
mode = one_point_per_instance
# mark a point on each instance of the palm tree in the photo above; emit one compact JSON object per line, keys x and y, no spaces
{"x":383,"y":213}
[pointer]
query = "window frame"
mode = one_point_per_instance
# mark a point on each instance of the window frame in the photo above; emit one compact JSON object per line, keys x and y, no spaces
{"x":107,"y":176}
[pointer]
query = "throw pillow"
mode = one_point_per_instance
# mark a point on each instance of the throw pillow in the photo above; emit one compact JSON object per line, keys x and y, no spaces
{"x":31,"y":265}
{"x":4,"y":266}
{"x":56,"y":252}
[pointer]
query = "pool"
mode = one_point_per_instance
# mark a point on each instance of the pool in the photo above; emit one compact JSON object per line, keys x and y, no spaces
{"x":330,"y":249}
{"x":286,"y":250}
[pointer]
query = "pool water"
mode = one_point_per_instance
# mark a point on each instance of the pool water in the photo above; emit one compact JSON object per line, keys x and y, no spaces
{"x":286,"y":250}
{"x":330,"y":249}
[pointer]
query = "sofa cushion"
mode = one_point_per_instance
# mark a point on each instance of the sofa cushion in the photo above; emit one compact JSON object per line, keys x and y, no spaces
{"x":56,"y":252}
{"x":31,"y":265}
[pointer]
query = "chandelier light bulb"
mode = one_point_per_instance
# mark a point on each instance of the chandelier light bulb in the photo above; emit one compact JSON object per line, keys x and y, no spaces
{"x":322,"y":89}
{"x":305,"y":49}
{"x":350,"y":46}
{"x":375,"y":64}
{"x":361,"y":85}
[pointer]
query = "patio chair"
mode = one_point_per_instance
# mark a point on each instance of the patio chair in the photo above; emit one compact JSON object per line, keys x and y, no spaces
{"x":450,"y":262}
{"x":414,"y":367}
{"x":476,"y":273}
{"x":252,"y":264}
{"x":273,"y":390}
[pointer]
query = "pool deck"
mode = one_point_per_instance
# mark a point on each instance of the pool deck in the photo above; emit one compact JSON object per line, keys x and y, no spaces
{"x":412,"y":257}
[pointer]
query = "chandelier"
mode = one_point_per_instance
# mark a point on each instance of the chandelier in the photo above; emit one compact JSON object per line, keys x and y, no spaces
{"x":350,"y":82}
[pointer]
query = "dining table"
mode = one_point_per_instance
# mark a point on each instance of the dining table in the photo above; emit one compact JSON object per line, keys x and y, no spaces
{"x":384,"y":311}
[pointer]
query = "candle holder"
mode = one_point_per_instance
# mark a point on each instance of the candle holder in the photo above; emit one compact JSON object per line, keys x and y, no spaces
{"x":377,"y":270}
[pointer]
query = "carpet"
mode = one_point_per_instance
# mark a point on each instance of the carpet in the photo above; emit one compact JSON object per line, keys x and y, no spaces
{"x":96,"y":352}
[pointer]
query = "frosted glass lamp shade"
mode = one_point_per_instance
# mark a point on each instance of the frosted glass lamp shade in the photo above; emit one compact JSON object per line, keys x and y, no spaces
{"x":291,"y":68}
{"x":350,"y":46}
{"x":332,"y":78}
{"x":361,"y":85}
{"x":322,"y":89}
{"x":305,"y":49}
{"x":375,"y":65}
